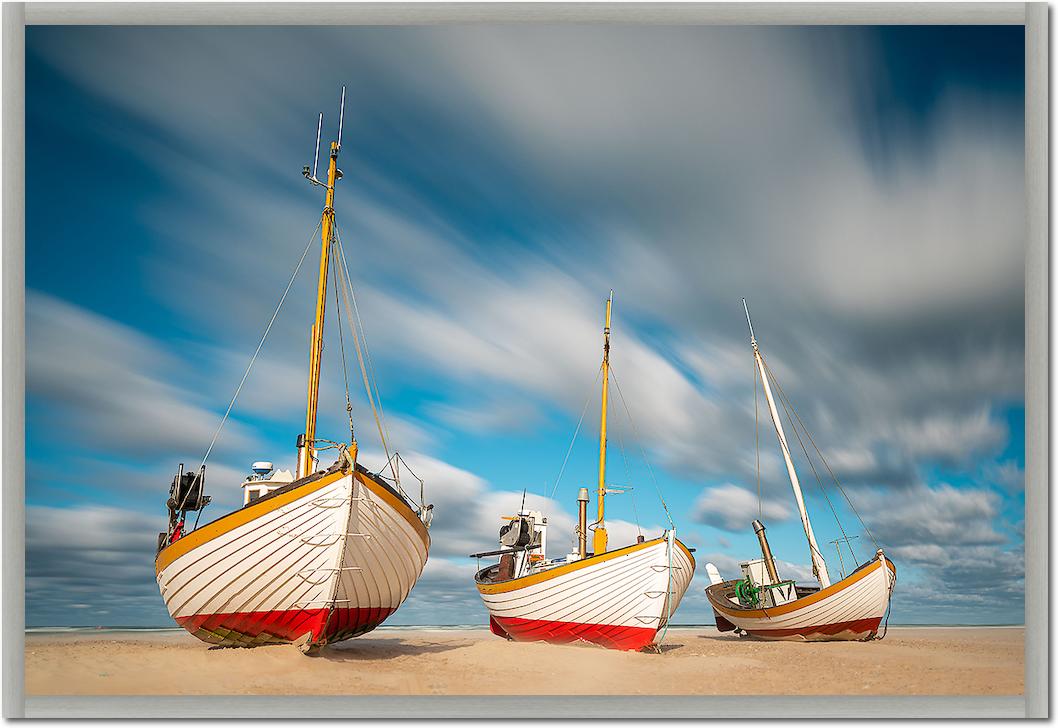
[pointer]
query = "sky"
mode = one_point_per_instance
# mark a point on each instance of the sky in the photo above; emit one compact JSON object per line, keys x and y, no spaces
{"x":863,"y":188}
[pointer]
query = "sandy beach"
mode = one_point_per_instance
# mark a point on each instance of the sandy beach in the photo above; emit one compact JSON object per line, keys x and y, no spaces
{"x":694,"y":661}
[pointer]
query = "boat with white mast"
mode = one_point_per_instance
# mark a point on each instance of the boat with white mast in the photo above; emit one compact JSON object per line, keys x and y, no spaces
{"x":619,"y":598}
{"x":762,"y":604}
{"x":313,"y":557}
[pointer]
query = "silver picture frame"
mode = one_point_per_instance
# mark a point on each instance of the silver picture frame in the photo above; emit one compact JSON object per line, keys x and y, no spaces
{"x":1034,"y":16}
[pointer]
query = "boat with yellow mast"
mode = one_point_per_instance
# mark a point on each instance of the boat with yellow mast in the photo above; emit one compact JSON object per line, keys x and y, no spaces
{"x":621,"y":598}
{"x":310,"y":559}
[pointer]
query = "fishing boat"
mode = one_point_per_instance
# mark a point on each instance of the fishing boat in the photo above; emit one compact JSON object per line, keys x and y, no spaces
{"x":620,"y":598}
{"x":312,"y":557}
{"x":764,"y":605}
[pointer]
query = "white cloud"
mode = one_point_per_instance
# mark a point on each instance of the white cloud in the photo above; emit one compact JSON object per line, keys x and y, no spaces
{"x":115,"y":385}
{"x":941,"y":515}
{"x":951,"y":439}
{"x":733,"y":508}
{"x":1008,"y":475}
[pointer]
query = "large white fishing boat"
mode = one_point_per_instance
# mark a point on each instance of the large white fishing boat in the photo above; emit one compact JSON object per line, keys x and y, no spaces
{"x":619,"y":598}
{"x":313,"y":557}
{"x":762,"y":604}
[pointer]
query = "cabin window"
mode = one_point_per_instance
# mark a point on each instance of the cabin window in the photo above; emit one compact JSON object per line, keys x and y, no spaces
{"x":254,"y":494}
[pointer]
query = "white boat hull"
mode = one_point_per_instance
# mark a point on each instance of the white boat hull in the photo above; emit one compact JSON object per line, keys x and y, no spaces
{"x":850,"y":609}
{"x":621,"y":599}
{"x":322,"y":560}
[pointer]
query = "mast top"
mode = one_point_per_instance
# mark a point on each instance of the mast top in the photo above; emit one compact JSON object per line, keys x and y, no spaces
{"x":752,"y":338}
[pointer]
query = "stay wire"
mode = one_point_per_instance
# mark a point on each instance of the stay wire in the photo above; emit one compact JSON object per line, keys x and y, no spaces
{"x":787,"y":407}
{"x":367,"y":350}
{"x":628,"y":477}
{"x":260,"y":344}
{"x":813,"y":548}
{"x":829,"y":470}
{"x":573,"y":440}
{"x":369,"y":389}
{"x":639,"y":442}
{"x":341,"y":344}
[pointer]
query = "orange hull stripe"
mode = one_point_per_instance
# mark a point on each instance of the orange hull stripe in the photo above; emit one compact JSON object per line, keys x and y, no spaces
{"x":233,"y":520}
{"x":524,"y":581}
{"x":398,"y":505}
{"x":806,"y":601}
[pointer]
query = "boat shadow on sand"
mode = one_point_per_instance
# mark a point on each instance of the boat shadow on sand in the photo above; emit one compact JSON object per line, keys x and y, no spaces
{"x":385,"y":649}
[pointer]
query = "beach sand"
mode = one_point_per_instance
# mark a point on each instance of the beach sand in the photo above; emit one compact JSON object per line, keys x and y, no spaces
{"x":694,"y":661}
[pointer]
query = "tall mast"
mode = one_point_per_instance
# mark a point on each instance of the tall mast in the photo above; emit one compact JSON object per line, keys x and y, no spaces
{"x":306,"y":443}
{"x":600,"y":538}
{"x":819,"y":566}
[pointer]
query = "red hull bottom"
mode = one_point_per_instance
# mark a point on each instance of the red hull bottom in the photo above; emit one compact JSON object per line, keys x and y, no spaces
{"x":313,"y":626}
{"x":613,"y":637}
{"x":857,"y":629}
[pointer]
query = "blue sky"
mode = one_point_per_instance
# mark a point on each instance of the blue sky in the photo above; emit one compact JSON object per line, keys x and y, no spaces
{"x":862,"y":187}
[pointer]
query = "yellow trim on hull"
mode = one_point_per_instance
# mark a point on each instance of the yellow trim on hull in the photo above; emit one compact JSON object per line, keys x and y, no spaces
{"x":530,"y":579}
{"x":804,"y":601}
{"x":244,"y":515}
{"x":233,"y":520}
{"x":398,"y":505}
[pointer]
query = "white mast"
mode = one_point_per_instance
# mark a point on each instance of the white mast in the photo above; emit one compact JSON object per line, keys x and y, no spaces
{"x":819,"y":566}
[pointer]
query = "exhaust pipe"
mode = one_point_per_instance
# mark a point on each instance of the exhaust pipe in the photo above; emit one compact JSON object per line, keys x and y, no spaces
{"x":765,"y":549}
{"x":582,"y":528}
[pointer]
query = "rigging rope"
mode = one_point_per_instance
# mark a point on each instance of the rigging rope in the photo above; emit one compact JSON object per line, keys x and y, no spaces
{"x":363,"y":332}
{"x":366,"y":350}
{"x":260,"y":344}
{"x":346,"y":295}
{"x":822,"y":459}
{"x":574,"y":439}
{"x":639,"y":442}
{"x":628,"y":478}
{"x":341,"y":344}
{"x":783,"y":402}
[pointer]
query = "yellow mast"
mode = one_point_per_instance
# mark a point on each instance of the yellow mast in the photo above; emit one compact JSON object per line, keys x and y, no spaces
{"x":599,"y":540}
{"x":306,"y":443}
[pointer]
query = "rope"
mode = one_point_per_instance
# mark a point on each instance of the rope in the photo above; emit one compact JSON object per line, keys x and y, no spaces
{"x":888,"y":598}
{"x":783,"y":402}
{"x":628,"y":478}
{"x":639,"y":442}
{"x":341,"y":344}
{"x":787,"y":407}
{"x":826,"y":465}
{"x":257,"y":351}
{"x":363,"y":357}
{"x":346,"y":286}
{"x":574,"y":439}
{"x":422,"y":484}
{"x":670,"y":542}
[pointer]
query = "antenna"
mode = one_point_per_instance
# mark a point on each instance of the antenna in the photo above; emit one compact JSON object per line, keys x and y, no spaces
{"x":315,"y":162}
{"x":341,"y":118}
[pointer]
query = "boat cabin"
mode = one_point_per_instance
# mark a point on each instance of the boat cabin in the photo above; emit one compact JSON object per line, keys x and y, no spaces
{"x":263,"y":480}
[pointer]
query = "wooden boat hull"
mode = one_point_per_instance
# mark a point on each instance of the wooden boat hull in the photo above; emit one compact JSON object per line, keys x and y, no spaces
{"x":327,"y":558}
{"x":615,"y":600}
{"x":850,"y":609}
